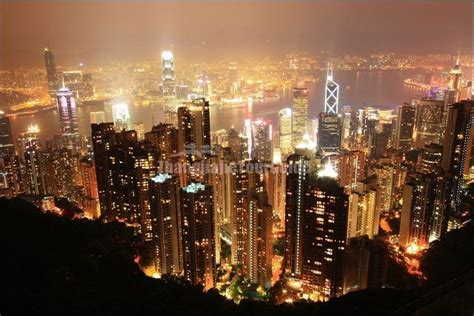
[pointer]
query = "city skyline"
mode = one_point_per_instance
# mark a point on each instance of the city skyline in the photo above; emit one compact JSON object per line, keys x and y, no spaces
{"x":300,"y":181}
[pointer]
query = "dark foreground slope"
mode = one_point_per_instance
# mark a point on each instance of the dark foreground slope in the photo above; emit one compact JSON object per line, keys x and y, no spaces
{"x":53,"y":265}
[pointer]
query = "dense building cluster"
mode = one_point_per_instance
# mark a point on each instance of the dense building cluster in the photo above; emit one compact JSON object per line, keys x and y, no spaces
{"x":321,"y":185}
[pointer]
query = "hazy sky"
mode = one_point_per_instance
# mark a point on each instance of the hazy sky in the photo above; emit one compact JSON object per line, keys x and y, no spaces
{"x":98,"y":31}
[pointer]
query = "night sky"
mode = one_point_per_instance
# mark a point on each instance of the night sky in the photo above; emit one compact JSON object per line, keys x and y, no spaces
{"x":97,"y":31}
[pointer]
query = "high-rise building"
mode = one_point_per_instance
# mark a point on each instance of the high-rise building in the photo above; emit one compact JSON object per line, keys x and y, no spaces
{"x":30,"y":161}
{"x":194,"y":140}
{"x":284,"y":131}
{"x":296,"y":186}
{"x":422,"y":199}
{"x":260,"y":140}
{"x":428,"y":122}
{"x":363,"y":216}
{"x":430,"y":158}
{"x":165,"y":139}
{"x":121,"y":116}
{"x":197,"y":231}
{"x":166,"y":223}
{"x":239,"y":212}
{"x":349,"y":128}
{"x":300,"y":115}
{"x":404,"y":127}
{"x":67,"y":112}
{"x":6,"y":139}
{"x":331,"y":94}
{"x":51,"y":74}
{"x":74,"y":81}
{"x":168,"y":81}
{"x":351,"y":168}
{"x":329,"y":132}
{"x":103,"y":138}
{"x":458,"y":151}
{"x":325,"y":234}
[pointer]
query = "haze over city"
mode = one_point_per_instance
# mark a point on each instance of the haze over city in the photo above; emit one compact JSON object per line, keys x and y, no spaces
{"x":94,"y":32}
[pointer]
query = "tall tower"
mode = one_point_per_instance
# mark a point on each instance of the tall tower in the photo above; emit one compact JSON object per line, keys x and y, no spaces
{"x":329,"y":132}
{"x":194,"y":131}
{"x":284,"y":131}
{"x":428,"y":122}
{"x":6,"y":140}
{"x":67,"y":111}
{"x":458,"y":149}
{"x":296,"y":186}
{"x":404,"y":127}
{"x":331,"y":94}
{"x":197,"y":229}
{"x":29,"y":151}
{"x":165,"y":221}
{"x":325,"y":228}
{"x":300,"y":115}
{"x":51,"y":74}
{"x":168,"y":81}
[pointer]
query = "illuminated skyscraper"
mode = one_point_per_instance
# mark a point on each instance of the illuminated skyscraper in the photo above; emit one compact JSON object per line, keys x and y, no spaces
{"x":284,"y":131}
{"x":103,"y":137}
{"x":329,"y":132}
{"x":51,"y":74}
{"x":121,"y":116}
{"x":168,"y":81}
{"x":239,"y":212}
{"x":73,"y":80}
{"x":363,"y":216}
{"x":67,"y":112}
{"x":197,"y":231}
{"x":325,"y":233}
{"x":165,"y":138}
{"x":194,"y":137}
{"x":428,"y":122}
{"x":458,"y":150}
{"x":30,"y":160}
{"x":404,"y":127}
{"x":260,"y":139}
{"x":300,"y":115}
{"x":331,"y":94}
{"x":422,"y":196}
{"x":6,"y":140}
{"x":296,"y":186}
{"x":166,"y":222}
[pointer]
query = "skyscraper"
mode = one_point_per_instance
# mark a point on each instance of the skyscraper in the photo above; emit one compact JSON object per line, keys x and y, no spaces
{"x":428,"y":122}
{"x":324,"y":238}
{"x":260,"y":140}
{"x":458,"y":150}
{"x":103,"y":137}
{"x":404,"y":127}
{"x":331,"y":94}
{"x":422,"y":196}
{"x":284,"y":131}
{"x":197,"y":229}
{"x":239,"y":212}
{"x":300,"y":115}
{"x":166,"y":223}
{"x":296,"y":186}
{"x":6,"y":139}
{"x":67,"y":112}
{"x":363,"y":216}
{"x":121,"y":116}
{"x":194,"y":140}
{"x":168,"y":81}
{"x":51,"y":74}
{"x":329,"y":132}
{"x":30,"y":161}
